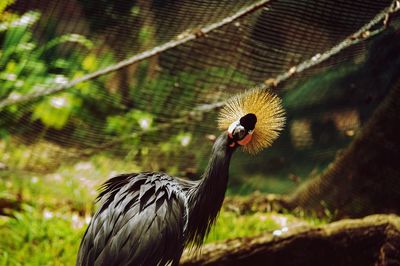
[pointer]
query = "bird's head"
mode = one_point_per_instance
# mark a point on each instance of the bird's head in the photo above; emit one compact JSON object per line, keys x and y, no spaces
{"x":241,"y":131}
{"x":253,"y":119}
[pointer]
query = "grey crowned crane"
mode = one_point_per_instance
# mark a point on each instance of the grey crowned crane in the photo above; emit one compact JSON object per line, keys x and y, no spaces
{"x":148,"y":218}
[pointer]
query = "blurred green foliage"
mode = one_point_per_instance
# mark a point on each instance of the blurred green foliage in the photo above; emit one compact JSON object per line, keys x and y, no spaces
{"x":29,"y":65}
{"x":129,"y":122}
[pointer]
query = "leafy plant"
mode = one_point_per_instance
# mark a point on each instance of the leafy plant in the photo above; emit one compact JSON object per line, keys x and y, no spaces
{"x":25,"y":68}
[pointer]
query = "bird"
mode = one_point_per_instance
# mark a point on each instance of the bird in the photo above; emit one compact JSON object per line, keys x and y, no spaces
{"x":148,"y":218}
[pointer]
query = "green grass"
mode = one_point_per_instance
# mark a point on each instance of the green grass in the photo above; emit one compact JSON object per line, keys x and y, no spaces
{"x":40,"y":237}
{"x":45,"y":237}
{"x":231,"y":225}
{"x":57,"y":207}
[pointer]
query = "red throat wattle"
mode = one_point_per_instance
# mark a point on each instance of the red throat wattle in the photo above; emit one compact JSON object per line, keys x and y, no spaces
{"x":245,"y":140}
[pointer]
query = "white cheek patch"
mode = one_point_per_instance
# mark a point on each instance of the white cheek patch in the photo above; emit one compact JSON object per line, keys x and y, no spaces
{"x":232,"y":127}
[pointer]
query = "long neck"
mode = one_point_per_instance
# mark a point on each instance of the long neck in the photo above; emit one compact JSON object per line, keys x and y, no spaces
{"x":206,"y":197}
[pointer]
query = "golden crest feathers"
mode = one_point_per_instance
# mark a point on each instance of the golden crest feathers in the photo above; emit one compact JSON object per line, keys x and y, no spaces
{"x":269,"y":112}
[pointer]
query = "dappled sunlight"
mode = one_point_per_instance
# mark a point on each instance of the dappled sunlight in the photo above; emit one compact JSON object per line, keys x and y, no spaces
{"x":347,"y":121}
{"x":301,"y":135}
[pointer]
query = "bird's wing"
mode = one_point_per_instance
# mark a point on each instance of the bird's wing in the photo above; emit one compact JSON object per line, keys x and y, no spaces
{"x":142,"y":221}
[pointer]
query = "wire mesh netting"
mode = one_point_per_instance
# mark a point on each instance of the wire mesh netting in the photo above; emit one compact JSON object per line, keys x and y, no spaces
{"x":159,"y":112}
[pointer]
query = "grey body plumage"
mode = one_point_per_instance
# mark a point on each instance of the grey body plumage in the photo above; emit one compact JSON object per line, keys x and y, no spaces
{"x":148,"y":218}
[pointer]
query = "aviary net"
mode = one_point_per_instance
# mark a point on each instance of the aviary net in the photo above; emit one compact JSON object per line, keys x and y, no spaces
{"x":142,"y":81}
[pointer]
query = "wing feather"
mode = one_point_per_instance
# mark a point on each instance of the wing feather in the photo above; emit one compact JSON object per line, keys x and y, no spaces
{"x":141,"y":222}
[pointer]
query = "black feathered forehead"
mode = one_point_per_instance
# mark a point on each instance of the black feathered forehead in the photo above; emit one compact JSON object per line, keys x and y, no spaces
{"x":248,"y":121}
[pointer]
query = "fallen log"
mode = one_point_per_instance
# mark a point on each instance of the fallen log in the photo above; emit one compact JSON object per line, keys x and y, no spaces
{"x":373,"y":240}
